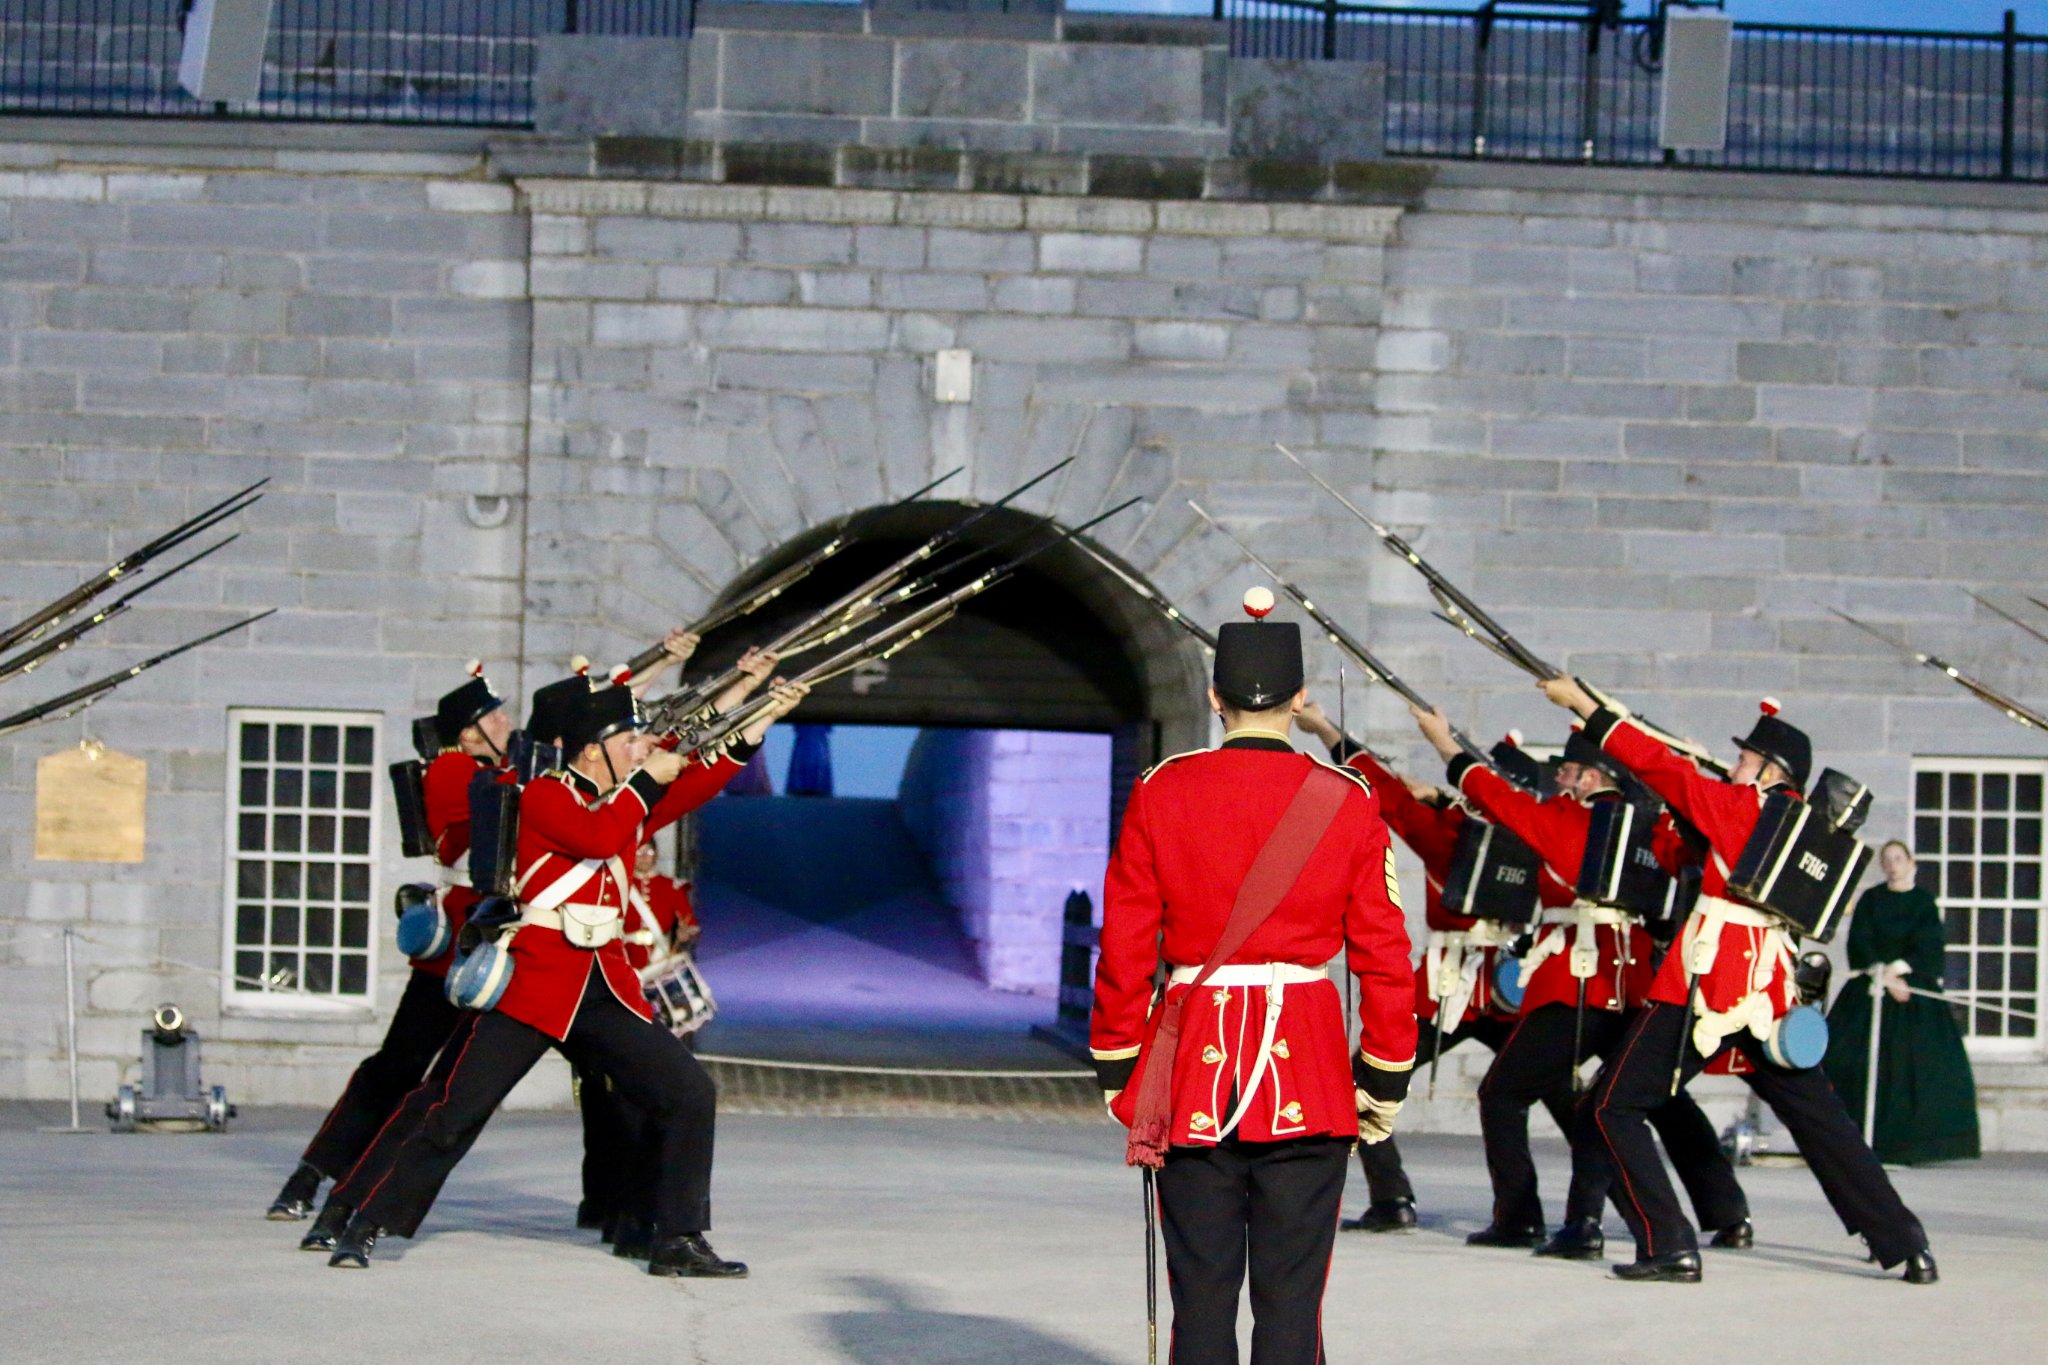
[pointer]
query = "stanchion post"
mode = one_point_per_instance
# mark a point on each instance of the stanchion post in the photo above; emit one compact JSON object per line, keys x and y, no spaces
{"x":1876,"y":1034}
{"x":71,"y":1019}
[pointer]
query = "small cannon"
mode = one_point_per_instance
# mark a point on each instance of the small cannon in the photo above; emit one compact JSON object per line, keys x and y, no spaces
{"x":170,"y":1088}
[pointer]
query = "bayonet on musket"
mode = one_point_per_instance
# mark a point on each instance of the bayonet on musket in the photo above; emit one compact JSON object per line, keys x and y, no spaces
{"x":894,"y":637}
{"x":78,"y":698}
{"x":1467,"y":614}
{"x":2014,"y":711}
{"x":1999,"y":611}
{"x":34,"y":625}
{"x":1155,"y":598}
{"x":761,"y":594}
{"x":49,"y":646}
{"x":687,"y":701}
{"x":1337,"y":635}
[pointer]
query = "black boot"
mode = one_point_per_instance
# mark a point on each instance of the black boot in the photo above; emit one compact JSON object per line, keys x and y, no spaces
{"x":1920,"y":1268}
{"x":1738,"y":1236}
{"x":352,"y":1249}
{"x":1494,"y":1235}
{"x":633,"y":1238}
{"x":1384,"y":1215}
{"x":688,"y":1254}
{"x":327,"y":1228}
{"x":1673,"y":1267}
{"x":295,"y":1200}
{"x":590,"y":1216}
{"x":1578,"y":1240}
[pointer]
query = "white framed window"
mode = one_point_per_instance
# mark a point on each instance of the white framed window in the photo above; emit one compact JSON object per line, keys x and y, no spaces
{"x":1977,"y":833}
{"x":302,"y":837}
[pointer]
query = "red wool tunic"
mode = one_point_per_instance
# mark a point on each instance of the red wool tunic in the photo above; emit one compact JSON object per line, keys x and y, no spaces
{"x":1556,"y":829}
{"x":447,"y":784}
{"x":563,"y":821}
{"x":1192,"y":828}
{"x":1726,"y":814}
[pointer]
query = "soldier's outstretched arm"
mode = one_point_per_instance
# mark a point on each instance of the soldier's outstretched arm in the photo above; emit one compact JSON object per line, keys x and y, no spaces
{"x":1722,"y":811}
{"x":1131,"y":914}
{"x":550,"y":811}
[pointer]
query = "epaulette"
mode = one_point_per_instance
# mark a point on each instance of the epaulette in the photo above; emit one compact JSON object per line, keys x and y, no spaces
{"x":1343,"y":768}
{"x":1146,"y":776}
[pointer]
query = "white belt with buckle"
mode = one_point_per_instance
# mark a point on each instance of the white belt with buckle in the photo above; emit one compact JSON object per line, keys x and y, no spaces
{"x":1253,"y":974}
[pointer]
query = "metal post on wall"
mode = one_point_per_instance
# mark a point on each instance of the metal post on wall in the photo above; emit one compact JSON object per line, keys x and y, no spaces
{"x":1330,"y":30}
{"x":1482,"y":40}
{"x":1870,"y":1078}
{"x":1589,"y":90}
{"x":2008,"y":97}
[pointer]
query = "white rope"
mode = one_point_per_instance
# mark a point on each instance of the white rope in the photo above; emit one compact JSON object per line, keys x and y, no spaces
{"x":1966,"y":998}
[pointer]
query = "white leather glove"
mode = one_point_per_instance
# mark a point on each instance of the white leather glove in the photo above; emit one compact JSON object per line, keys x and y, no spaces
{"x":1109,"y":1098}
{"x":1375,"y":1118}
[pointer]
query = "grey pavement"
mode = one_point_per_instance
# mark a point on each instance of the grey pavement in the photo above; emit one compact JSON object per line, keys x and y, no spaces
{"x":925,"y":1240}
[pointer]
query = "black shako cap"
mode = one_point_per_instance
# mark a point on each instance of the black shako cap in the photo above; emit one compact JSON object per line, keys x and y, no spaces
{"x":590,"y":718}
{"x":1517,"y":766}
{"x":1784,"y":744}
{"x":1584,"y":752}
{"x":544,"y":722}
{"x":1258,"y":663}
{"x":463,"y":707}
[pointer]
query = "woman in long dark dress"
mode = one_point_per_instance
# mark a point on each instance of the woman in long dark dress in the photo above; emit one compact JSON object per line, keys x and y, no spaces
{"x":1926,"y":1094}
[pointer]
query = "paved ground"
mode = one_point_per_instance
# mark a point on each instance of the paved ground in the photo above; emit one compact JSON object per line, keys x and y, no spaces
{"x":929,"y":1240}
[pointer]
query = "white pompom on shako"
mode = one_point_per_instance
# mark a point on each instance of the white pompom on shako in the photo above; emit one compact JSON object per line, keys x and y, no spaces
{"x":1514,"y":737}
{"x":579,"y":664}
{"x":1258,"y":662}
{"x":1258,"y":601}
{"x":1769,"y":706}
{"x":475,"y":668}
{"x":619,"y":674}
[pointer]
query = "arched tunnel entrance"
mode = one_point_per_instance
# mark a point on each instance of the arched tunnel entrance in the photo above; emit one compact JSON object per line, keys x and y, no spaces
{"x":921,"y":920}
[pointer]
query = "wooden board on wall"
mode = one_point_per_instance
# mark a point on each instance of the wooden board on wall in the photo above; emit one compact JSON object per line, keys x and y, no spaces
{"x":90,"y":804}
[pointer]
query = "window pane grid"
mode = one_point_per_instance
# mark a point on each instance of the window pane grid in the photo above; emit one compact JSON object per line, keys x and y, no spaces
{"x":302,"y":835}
{"x":1977,"y":826}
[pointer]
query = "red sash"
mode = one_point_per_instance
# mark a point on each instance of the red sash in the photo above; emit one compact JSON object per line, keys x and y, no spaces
{"x":1273,"y":874}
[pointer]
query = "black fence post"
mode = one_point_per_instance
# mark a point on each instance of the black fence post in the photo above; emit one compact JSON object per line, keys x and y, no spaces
{"x":570,"y":17}
{"x":1330,"y":30}
{"x":1483,"y":21}
{"x":2008,"y":96}
{"x":1077,"y":946}
{"x":1589,"y":93}
{"x":1218,"y":14}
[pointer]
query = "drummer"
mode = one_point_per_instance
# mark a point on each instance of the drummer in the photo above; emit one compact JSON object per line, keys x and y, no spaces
{"x":618,"y":1147}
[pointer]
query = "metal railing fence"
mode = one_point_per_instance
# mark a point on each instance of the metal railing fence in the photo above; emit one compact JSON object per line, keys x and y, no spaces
{"x":1534,"y":80}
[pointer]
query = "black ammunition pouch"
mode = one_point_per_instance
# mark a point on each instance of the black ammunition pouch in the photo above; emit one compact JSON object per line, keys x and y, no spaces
{"x":1799,"y":867}
{"x":1492,"y":875}
{"x":409,"y":791}
{"x":493,"y":833}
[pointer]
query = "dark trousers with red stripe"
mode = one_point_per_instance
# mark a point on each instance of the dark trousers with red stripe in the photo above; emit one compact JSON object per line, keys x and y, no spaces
{"x":422,"y":1023}
{"x":618,"y":1149}
{"x":1267,"y":1206}
{"x":648,"y":1065}
{"x":1385,"y":1177}
{"x":1538,"y":1057}
{"x":1639,"y":1080}
{"x":401,"y":1126}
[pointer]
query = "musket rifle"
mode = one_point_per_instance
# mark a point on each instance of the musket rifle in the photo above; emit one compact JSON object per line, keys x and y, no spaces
{"x":823,"y":623}
{"x":49,"y":646}
{"x":1999,"y":611}
{"x":1464,"y":611}
{"x":1156,"y":599}
{"x":2013,"y":710}
{"x":36,"y":623}
{"x":761,"y":594}
{"x":890,"y":639}
{"x":78,"y":698}
{"x":1469,"y":618}
{"x":1338,"y":636}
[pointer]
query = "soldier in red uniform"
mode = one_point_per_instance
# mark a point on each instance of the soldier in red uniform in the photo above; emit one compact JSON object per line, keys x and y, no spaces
{"x":473,"y":729}
{"x":1586,"y":974}
{"x":1238,"y":1088}
{"x":1458,"y":962}
{"x":571,"y":985}
{"x":617,"y":1157}
{"x":1725,"y":984}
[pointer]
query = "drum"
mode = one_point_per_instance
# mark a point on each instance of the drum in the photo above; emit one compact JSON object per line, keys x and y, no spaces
{"x":681,"y":997}
{"x":1799,"y":1040}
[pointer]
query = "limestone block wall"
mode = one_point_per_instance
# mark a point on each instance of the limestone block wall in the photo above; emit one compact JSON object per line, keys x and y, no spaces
{"x":1659,"y":422}
{"x":1011,"y":821}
